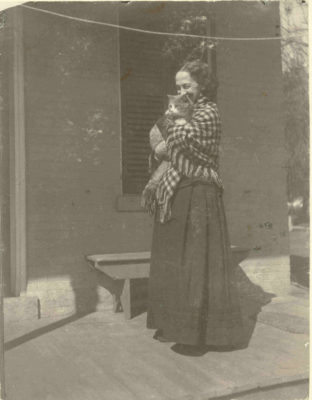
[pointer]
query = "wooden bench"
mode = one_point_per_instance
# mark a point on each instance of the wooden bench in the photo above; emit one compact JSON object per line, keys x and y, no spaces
{"x":133,"y":270}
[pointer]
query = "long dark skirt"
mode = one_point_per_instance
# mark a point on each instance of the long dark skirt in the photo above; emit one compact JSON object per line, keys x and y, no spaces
{"x":192,"y":290}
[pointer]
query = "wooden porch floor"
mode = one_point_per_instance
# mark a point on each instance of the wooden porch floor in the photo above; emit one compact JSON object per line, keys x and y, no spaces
{"x":101,"y":356}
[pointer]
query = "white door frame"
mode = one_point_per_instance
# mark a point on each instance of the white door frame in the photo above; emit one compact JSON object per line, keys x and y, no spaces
{"x":17,"y":153}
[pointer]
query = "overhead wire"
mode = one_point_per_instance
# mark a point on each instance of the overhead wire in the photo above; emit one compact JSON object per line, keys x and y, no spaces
{"x":145,"y":31}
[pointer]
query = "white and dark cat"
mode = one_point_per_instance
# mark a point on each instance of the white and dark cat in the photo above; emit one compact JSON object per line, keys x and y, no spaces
{"x":179,"y":112}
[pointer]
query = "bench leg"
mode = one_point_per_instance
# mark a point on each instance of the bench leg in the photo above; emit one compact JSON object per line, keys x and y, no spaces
{"x":117,"y":307}
{"x":134,"y":297}
{"x":126,"y":299}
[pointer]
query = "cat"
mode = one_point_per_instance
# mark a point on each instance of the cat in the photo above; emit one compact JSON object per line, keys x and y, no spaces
{"x":179,"y":112}
{"x":180,"y":108}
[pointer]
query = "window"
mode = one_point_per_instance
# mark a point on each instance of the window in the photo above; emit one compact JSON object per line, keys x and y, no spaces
{"x":142,"y":103}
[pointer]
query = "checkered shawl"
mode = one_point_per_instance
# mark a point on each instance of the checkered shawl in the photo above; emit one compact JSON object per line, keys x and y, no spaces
{"x":193,"y":150}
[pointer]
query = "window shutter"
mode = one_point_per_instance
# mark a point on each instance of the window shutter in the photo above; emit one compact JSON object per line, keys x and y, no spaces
{"x":142,"y":103}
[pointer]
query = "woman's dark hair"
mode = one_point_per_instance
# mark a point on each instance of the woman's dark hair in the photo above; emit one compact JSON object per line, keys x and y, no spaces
{"x":202,"y":74}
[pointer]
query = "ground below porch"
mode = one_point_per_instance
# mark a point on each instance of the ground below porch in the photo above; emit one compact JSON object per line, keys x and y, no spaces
{"x":102,"y":356}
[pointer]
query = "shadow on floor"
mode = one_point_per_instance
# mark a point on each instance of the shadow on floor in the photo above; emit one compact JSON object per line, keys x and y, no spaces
{"x":86,"y":302}
{"x":11,"y":344}
{"x":252,"y":296}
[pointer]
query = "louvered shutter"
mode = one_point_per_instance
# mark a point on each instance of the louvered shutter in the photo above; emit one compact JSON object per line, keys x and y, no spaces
{"x":142,"y":102}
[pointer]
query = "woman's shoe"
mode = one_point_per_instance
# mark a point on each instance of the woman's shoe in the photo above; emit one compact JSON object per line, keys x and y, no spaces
{"x":189,"y":350}
{"x":159,"y":336}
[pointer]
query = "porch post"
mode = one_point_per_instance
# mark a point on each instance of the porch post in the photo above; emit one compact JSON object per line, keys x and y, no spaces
{"x":2,"y":388}
{"x":17,"y":157}
{"x":2,"y":169}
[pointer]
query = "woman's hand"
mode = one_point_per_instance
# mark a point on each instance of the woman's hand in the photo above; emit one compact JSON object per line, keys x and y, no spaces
{"x":180,"y":121}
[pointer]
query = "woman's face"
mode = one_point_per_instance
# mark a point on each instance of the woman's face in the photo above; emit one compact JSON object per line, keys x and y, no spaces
{"x":186,"y":84}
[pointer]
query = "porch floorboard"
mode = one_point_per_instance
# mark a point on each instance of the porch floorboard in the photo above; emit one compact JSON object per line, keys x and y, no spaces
{"x":102,"y":356}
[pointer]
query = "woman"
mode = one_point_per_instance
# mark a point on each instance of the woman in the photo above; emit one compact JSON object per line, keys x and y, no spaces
{"x":192,"y":291}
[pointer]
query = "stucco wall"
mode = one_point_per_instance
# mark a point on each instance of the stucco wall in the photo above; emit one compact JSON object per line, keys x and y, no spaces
{"x":73,"y":153}
{"x":73,"y":144}
{"x":253,"y":152}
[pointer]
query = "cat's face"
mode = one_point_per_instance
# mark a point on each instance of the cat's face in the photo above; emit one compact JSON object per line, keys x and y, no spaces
{"x":179,"y":106}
